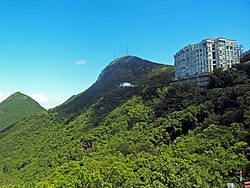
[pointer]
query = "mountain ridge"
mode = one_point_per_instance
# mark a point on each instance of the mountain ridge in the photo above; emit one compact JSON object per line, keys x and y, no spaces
{"x":123,"y":69}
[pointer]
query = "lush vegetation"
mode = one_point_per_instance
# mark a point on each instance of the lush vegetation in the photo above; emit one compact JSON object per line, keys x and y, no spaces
{"x":157,"y":135}
{"x":16,"y":107}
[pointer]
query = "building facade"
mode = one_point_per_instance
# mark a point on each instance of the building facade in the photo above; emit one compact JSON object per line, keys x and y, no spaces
{"x":204,"y":57}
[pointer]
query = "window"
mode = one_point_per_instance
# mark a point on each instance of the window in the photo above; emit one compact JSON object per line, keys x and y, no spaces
{"x":221,"y":43}
{"x":213,"y":54}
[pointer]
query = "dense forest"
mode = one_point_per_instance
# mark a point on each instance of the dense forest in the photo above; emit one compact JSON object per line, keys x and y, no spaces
{"x":157,"y":134}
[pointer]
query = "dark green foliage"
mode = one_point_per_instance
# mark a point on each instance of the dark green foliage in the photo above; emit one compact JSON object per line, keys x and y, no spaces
{"x":148,"y":136}
{"x":230,"y":77}
{"x":222,"y":78}
{"x":244,"y":67}
{"x":111,"y":100}
{"x":16,"y":107}
{"x":176,"y":96}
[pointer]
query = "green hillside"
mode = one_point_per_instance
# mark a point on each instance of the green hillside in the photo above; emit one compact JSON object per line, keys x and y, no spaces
{"x":125,"y":69}
{"x":161,"y":134}
{"x":16,"y":107}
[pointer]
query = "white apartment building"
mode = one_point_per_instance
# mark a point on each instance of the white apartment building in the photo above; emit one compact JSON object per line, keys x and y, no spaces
{"x":204,"y":57}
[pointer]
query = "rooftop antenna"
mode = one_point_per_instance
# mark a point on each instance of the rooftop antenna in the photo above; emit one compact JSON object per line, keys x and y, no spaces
{"x":241,"y":48}
{"x":127,"y":49}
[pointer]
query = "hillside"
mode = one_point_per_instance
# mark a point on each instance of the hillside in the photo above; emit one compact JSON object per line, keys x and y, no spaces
{"x":162,"y":135}
{"x":16,"y":107}
{"x":125,"y":69}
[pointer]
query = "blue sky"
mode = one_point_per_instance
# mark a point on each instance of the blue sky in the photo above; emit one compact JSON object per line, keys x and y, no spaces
{"x":53,"y":49}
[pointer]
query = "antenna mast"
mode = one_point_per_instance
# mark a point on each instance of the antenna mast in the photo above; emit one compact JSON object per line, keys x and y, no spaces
{"x":127,"y":49}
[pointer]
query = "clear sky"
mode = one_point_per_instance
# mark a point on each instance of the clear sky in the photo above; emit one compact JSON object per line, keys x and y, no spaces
{"x":53,"y":49}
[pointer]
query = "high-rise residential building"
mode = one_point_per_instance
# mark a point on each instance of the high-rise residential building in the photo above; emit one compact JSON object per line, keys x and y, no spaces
{"x":202,"y":58}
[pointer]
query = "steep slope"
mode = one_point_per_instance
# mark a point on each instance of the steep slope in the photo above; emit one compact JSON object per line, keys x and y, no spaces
{"x":125,"y":69}
{"x":16,"y":107}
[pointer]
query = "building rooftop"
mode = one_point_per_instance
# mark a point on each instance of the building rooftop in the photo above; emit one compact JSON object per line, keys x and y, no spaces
{"x":218,"y":38}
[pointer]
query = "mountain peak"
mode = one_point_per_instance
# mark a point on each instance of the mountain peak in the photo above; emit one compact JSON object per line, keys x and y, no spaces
{"x":17,"y":96}
{"x":125,"y":59}
{"x":16,"y":107}
{"x":126,"y":68}
{"x":18,"y":93}
{"x":130,"y":60}
{"x":130,"y":69}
